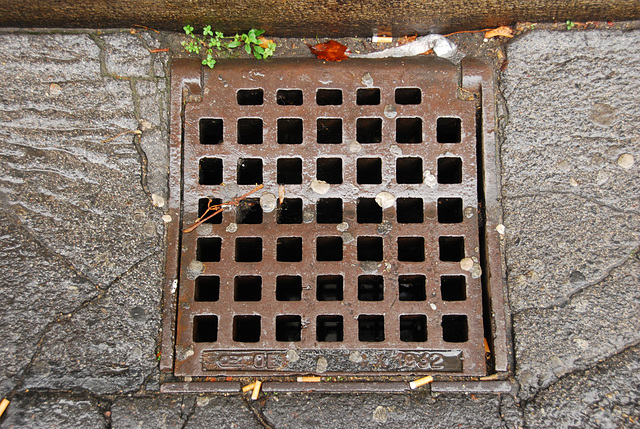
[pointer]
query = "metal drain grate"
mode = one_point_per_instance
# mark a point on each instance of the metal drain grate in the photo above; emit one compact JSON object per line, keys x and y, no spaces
{"x":356,"y":269}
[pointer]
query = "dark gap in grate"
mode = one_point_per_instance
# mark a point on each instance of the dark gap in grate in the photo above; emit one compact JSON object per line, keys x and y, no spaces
{"x":329,"y":210}
{"x":329,"y":288}
{"x":449,"y":170}
{"x":370,"y":249}
{"x":288,"y":288}
{"x":288,"y":328}
{"x":250,"y":97}
{"x":210,"y":171}
{"x":290,"y":211}
{"x":412,"y":287}
{"x":370,"y":328}
{"x":368,"y":211}
{"x":410,"y":210}
{"x":329,"y":97}
{"x":453,"y":288}
{"x":248,"y":249}
{"x":246,"y":329}
{"x":411,"y":249}
{"x":413,"y":328}
{"x":247,"y":288}
{"x":329,"y":328}
{"x":329,"y":249}
{"x":409,"y":170}
{"x":368,"y":96}
{"x":408,"y":96}
{"x":448,"y":130}
{"x":369,"y":171}
{"x":289,"y":97}
{"x":449,"y":210}
{"x":289,"y":131}
{"x":250,"y":131}
{"x":329,"y":170}
{"x":249,"y":171}
{"x":203,"y":204}
{"x":289,"y":249}
{"x":455,"y":328}
{"x":205,"y":329}
{"x":369,"y":130}
{"x":409,"y":130}
{"x":370,"y":288}
{"x":329,"y":130}
{"x":207,"y":289}
{"x":289,"y":171}
{"x":249,"y":211}
{"x":211,"y":131}
{"x":208,"y":249}
{"x":451,"y":248}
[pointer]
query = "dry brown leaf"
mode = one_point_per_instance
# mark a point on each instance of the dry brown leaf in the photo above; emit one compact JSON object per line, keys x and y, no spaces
{"x":330,"y":51}
{"x":503,"y":31}
{"x":264,"y":43}
{"x":407,"y":39}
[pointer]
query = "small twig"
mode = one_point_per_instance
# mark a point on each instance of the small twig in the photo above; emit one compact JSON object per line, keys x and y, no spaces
{"x":217,"y":208}
{"x":153,"y":51}
{"x":466,"y":31}
{"x":137,"y":132}
{"x":143,"y":27}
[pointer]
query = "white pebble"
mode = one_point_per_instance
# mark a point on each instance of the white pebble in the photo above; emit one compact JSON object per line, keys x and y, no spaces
{"x":320,"y":187}
{"x":626,"y":161}
{"x":268,"y":202}
{"x":385,"y":199}
{"x":466,"y":264}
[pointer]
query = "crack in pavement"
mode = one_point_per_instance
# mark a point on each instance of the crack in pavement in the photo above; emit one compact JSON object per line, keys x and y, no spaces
{"x":542,"y":193}
{"x":256,"y":413}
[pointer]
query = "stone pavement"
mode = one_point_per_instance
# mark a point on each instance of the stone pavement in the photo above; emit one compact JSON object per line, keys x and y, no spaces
{"x":82,"y":250}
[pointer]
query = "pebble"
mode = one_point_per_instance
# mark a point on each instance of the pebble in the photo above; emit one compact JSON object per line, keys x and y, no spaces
{"x":320,"y":187}
{"x":347,"y":238}
{"x":573,"y":182}
{"x":194,"y":269}
{"x":500,"y":229}
{"x":429,"y":179}
{"x":469,"y":211}
{"x":157,"y":200}
{"x":466,"y":264}
{"x":367,"y":80}
{"x":233,"y":227}
{"x":355,"y":357}
{"x":625,"y":161}
{"x":268,"y":202}
{"x":385,"y":199}
{"x":292,"y":356}
{"x":395,"y":150}
{"x":380,"y":414}
{"x":204,"y":229}
{"x":342,"y":227}
{"x":602,"y":177}
{"x":476,"y":271}
{"x":145,"y":125}
{"x":321,"y":365}
{"x":355,"y":147}
{"x":390,"y":111}
{"x":55,"y":89}
{"x":167,"y":218}
{"x":384,"y":227}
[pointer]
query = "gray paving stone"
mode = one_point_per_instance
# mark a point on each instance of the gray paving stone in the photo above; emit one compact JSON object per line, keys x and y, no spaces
{"x":573,"y":110}
{"x":597,"y":322}
{"x":390,"y":411}
{"x":221,"y":412}
{"x":62,"y":173}
{"x":53,"y":411}
{"x":109,"y":345}
{"x":607,"y":396}
{"x":126,"y":56}
{"x":36,"y":288}
{"x":160,"y":412}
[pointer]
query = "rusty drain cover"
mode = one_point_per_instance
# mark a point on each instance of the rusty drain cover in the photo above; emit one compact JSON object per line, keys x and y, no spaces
{"x":375,"y":261}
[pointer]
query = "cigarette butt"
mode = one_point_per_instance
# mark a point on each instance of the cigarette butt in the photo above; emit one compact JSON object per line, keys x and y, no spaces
{"x":256,"y":390}
{"x":248,"y":387}
{"x":420,"y":382}
{"x":309,"y":379}
{"x":3,"y":406}
{"x":381,"y":39}
{"x":486,"y":346}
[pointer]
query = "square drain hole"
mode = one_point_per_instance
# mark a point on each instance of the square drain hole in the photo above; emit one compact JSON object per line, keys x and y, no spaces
{"x":301,"y":254}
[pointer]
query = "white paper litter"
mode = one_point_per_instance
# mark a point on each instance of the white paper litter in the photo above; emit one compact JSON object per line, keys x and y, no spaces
{"x":441,"y":46}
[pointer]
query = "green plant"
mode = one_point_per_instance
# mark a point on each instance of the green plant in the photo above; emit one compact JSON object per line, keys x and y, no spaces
{"x":254,"y":45}
{"x":570,"y":24}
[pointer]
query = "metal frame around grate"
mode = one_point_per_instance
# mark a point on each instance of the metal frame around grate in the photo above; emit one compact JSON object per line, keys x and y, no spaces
{"x":403,"y":131}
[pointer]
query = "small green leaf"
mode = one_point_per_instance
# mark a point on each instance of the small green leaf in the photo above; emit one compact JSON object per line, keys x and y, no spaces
{"x":570,"y":24}
{"x":247,"y":48}
{"x":233,"y":44}
{"x":258,"y":49}
{"x":206,"y":31}
{"x":219,"y":35}
{"x":188,"y":29}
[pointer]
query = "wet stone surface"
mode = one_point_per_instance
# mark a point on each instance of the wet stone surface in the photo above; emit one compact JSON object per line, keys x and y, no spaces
{"x":45,"y":411}
{"x":570,"y":209}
